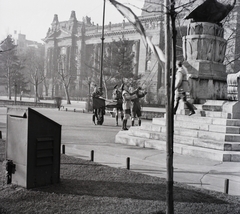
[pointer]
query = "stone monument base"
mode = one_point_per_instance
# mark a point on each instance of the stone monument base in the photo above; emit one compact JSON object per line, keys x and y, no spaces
{"x":207,"y":81}
{"x":231,"y":109}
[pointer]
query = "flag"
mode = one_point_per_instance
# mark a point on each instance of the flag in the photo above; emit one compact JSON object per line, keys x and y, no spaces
{"x":131,"y":17}
{"x":157,"y":51}
{"x":134,"y":20}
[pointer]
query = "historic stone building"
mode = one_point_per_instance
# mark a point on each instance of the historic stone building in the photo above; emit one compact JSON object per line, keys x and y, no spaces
{"x":71,"y":44}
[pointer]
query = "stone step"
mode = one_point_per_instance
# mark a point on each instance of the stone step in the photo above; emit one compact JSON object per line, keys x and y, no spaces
{"x":199,"y":120}
{"x":160,"y":135}
{"x":196,"y":126}
{"x":207,"y":143}
{"x":228,"y":156}
{"x":204,"y":113}
{"x":187,"y":140}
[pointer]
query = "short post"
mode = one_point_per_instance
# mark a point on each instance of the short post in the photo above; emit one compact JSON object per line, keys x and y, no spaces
{"x":74,"y":110}
{"x":92,"y":155}
{"x":128,"y":163}
{"x":226,"y":186}
{"x":63,"y":149}
{"x":0,"y":134}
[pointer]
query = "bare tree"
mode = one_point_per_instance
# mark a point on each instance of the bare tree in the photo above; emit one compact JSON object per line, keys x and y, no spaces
{"x":34,"y":66}
{"x":9,"y":63}
{"x":64,"y":76}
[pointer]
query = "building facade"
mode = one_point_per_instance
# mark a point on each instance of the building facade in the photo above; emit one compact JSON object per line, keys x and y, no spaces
{"x":71,"y":45}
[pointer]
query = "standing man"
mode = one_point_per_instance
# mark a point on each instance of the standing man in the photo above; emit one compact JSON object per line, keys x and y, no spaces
{"x":127,"y":97}
{"x":117,"y":95}
{"x":136,"y":106}
{"x":96,"y":110}
{"x":181,"y":87}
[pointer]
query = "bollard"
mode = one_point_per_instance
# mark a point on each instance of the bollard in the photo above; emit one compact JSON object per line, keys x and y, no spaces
{"x":128,"y":163}
{"x":92,"y":155}
{"x":74,"y":110}
{"x":226,"y":186}
{"x":66,"y":109}
{"x":63,"y":149}
{"x":0,"y":134}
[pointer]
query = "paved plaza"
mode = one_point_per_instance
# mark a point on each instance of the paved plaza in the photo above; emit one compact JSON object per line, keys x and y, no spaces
{"x":80,"y":137}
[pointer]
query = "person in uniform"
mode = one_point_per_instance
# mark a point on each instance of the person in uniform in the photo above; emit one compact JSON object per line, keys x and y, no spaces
{"x":181,"y":87}
{"x":127,"y":97}
{"x":136,"y":106}
{"x":117,"y":95}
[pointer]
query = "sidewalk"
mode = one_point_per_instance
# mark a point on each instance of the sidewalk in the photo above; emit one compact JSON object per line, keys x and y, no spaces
{"x":198,"y":172}
{"x":203,"y":173}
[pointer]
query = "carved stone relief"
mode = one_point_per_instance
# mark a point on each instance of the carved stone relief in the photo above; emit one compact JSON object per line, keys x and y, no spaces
{"x":205,"y":42}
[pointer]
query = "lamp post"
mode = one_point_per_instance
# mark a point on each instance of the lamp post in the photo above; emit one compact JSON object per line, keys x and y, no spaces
{"x":101,"y":71}
{"x":15,"y":92}
{"x":89,"y":84}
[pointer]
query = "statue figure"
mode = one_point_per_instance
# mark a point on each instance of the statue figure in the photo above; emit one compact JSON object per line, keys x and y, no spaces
{"x":209,"y":11}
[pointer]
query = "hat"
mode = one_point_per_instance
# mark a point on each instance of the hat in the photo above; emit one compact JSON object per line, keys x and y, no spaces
{"x":115,"y":86}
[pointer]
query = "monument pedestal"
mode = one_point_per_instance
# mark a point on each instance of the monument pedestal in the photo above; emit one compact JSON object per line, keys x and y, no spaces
{"x":204,"y":50}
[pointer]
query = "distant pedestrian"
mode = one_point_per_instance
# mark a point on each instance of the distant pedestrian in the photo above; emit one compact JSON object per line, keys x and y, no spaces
{"x":181,"y":87}
{"x":127,"y":97}
{"x":117,"y":95}
{"x":136,"y":106}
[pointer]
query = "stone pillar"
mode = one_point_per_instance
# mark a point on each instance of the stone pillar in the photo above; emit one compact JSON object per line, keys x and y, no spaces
{"x":204,"y":50}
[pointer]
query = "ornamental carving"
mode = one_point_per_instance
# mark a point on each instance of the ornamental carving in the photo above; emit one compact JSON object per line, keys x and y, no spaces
{"x":204,"y":42}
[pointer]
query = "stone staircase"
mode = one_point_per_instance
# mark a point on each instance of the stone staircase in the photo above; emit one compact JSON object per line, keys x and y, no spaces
{"x":210,"y":133}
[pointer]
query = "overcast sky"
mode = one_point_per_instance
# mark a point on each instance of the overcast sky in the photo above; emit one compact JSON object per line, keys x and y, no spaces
{"x":34,"y":17}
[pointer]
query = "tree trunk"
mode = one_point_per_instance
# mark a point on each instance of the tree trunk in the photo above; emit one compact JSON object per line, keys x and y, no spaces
{"x":36,"y":93}
{"x":9,"y":85}
{"x":67,"y":94}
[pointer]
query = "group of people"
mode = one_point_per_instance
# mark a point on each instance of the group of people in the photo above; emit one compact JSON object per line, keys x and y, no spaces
{"x":128,"y":104}
{"x":128,"y":100}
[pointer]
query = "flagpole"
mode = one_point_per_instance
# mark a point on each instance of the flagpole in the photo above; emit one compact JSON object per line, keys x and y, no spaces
{"x":101,"y":69}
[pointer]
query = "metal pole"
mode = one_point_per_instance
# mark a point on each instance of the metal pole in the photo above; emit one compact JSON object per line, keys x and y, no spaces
{"x":63,"y":149}
{"x":128,"y":163}
{"x":89,"y":84}
{"x":92,"y":155}
{"x":169,"y":115}
{"x":101,"y":71}
{"x":226,"y":186}
{"x":15,"y":93}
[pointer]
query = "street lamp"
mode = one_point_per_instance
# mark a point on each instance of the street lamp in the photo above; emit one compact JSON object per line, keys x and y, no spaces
{"x":89,"y":84}
{"x":101,"y":71}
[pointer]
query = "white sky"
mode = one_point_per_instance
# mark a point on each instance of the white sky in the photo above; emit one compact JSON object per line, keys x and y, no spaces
{"x":34,"y":17}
